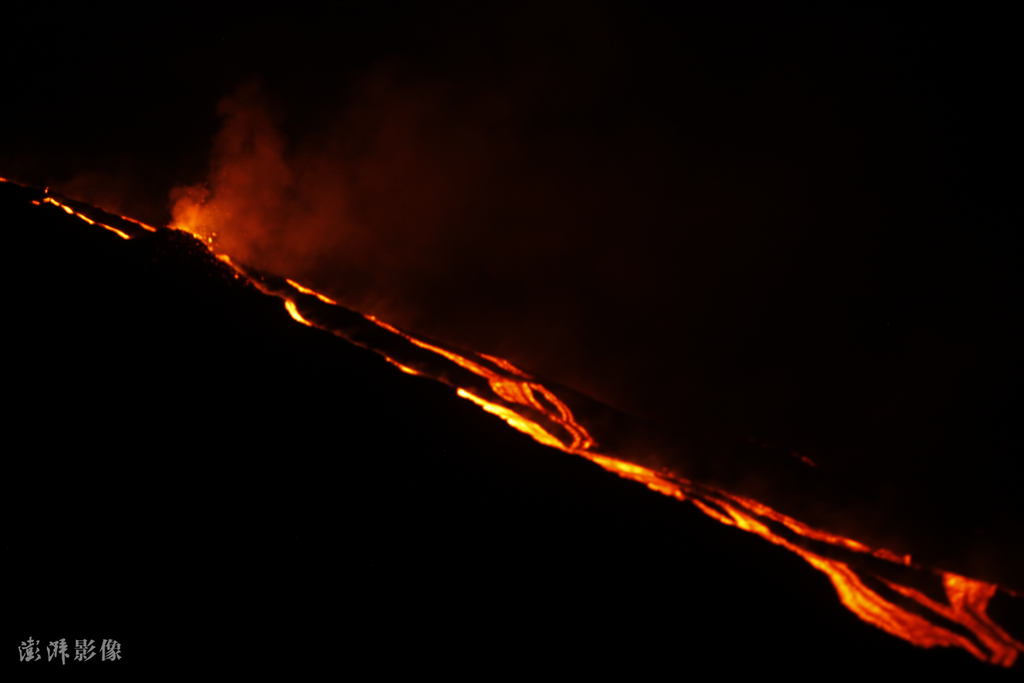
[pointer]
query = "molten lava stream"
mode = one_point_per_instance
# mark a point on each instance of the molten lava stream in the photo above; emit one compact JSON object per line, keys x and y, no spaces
{"x":517,"y":403}
{"x":533,"y":408}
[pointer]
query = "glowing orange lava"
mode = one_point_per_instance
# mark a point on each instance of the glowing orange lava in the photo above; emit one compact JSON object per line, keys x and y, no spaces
{"x":147,"y":228}
{"x":404,"y":368}
{"x":529,"y":406}
{"x":294,"y":312}
{"x":504,"y":364}
{"x":306,"y":290}
{"x":516,"y":392}
{"x":88,"y":220}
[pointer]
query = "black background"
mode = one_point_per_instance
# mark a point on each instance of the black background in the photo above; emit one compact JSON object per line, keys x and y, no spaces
{"x":884,"y":346}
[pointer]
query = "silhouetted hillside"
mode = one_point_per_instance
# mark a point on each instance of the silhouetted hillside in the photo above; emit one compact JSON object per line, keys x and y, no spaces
{"x":195,"y":475}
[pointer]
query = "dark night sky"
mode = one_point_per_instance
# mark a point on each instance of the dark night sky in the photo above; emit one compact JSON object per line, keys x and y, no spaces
{"x":790,"y":227}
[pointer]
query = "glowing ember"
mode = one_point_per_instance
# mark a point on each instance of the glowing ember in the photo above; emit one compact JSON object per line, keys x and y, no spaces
{"x":529,"y":406}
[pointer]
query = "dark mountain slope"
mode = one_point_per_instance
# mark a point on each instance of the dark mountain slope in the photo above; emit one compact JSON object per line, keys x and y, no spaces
{"x":195,"y":475}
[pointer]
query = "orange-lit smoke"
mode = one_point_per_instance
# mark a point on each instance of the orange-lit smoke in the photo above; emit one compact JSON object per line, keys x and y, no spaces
{"x":414,"y":203}
{"x":245,"y":207}
{"x":364,"y":209}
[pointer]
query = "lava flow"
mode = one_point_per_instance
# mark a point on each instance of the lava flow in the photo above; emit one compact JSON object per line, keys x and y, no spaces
{"x":882,"y":588}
